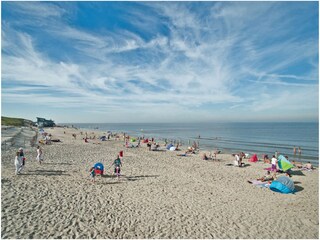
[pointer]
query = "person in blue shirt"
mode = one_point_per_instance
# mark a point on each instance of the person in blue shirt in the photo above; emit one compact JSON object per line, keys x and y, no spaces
{"x":117,"y":164}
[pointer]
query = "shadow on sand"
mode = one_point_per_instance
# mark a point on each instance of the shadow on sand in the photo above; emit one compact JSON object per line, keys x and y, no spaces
{"x":46,"y":173}
{"x":130,"y":178}
{"x":297,"y":172}
{"x":61,"y":163}
{"x":298,"y":188}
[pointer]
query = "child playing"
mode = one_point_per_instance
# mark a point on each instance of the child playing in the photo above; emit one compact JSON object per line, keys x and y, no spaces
{"x":39,"y":155}
{"x":117,"y":164}
{"x":274,"y":166}
{"x":92,"y":174}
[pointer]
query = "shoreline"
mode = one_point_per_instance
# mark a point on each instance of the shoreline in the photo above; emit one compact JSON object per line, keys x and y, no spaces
{"x":159,"y":195}
{"x":204,"y":148}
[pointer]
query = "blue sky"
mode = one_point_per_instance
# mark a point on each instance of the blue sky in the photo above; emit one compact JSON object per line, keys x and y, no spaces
{"x":160,"y":61}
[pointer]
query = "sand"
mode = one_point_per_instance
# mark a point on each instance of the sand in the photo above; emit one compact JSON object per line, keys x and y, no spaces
{"x":159,"y":195}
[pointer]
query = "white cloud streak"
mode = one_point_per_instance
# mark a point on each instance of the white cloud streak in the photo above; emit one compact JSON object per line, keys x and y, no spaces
{"x":201,"y":62}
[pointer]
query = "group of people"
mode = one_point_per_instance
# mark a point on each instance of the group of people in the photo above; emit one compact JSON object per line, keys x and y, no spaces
{"x":211,"y":156}
{"x":20,"y":159}
{"x":238,"y":160}
{"x":295,"y":150}
{"x":117,"y":163}
{"x":271,"y":175}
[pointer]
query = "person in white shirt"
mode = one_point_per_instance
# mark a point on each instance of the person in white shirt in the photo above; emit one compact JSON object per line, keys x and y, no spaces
{"x":274,"y":165}
{"x":237,"y":161}
{"x":39,"y":155}
{"x":18,"y":162}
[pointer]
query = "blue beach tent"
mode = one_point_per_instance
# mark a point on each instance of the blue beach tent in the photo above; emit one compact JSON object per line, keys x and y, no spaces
{"x":98,"y":168}
{"x":283,"y":184}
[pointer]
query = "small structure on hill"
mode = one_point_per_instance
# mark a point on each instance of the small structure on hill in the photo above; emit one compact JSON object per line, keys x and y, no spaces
{"x":42,"y":122}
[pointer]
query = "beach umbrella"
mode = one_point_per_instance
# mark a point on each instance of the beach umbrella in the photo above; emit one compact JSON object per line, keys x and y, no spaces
{"x":284,"y":163}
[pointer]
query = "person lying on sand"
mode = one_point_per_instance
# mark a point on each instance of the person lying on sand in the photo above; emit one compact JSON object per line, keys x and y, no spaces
{"x":154,"y":147}
{"x":205,"y":157}
{"x":213,"y":155}
{"x":308,"y":166}
{"x":266,"y":178}
{"x":191,"y":150}
{"x":183,"y":154}
{"x":297,"y":164}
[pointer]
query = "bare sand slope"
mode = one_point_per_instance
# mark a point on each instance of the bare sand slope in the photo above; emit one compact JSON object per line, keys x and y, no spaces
{"x":15,"y":137}
{"x":160,"y":195}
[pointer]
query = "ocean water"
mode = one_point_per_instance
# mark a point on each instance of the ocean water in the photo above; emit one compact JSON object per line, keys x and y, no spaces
{"x":260,"y":138}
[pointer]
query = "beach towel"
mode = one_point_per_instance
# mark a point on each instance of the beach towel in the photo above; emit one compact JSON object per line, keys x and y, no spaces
{"x":256,"y":182}
{"x":270,"y":169}
{"x":259,"y":183}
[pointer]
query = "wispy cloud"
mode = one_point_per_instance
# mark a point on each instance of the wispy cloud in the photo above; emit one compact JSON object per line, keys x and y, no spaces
{"x":182,"y":57}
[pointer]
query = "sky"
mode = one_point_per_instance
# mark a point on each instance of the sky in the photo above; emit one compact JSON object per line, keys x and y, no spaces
{"x":109,"y":62}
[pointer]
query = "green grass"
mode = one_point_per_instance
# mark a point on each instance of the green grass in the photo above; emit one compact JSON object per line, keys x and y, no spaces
{"x":18,"y":122}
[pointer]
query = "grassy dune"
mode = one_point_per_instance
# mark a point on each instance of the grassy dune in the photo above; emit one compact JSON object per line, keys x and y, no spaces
{"x":18,"y":122}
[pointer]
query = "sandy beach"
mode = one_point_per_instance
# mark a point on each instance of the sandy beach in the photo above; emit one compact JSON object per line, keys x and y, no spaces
{"x":159,"y":195}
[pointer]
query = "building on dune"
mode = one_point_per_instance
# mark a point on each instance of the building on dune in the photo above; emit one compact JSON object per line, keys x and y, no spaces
{"x":42,"y":122}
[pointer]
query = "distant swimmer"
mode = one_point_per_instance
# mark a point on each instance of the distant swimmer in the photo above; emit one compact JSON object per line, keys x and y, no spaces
{"x":199,"y":136}
{"x":299,"y":150}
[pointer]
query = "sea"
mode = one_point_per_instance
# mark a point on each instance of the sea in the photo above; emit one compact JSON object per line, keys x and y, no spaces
{"x":254,"y":137}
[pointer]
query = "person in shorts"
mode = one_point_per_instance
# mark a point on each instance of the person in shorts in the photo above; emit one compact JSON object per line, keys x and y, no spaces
{"x":39,"y":155}
{"x":117,"y":164}
{"x":274,"y":166}
{"x":92,"y":174}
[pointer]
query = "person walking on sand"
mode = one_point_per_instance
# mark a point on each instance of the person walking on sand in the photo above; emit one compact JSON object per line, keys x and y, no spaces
{"x":18,"y":162}
{"x":117,"y":164}
{"x":274,"y":161}
{"x":39,"y":155}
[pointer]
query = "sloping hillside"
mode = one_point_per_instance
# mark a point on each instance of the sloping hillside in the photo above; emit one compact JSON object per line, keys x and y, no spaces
{"x":18,"y":122}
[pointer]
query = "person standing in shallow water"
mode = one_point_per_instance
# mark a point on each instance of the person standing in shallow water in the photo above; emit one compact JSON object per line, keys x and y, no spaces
{"x":294,"y":150}
{"x":299,"y":150}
